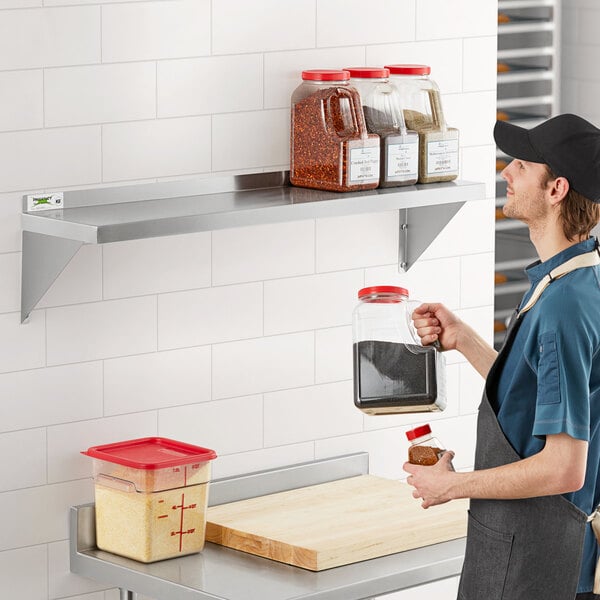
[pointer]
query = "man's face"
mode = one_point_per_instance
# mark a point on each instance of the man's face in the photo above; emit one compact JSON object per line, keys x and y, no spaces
{"x":525,"y":193}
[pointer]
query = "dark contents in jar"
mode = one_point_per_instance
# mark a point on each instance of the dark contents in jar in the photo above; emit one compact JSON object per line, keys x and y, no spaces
{"x":423,"y":455}
{"x":391,"y":373}
{"x":323,"y":133}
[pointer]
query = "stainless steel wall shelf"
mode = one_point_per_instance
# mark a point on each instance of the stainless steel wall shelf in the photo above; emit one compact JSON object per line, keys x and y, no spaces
{"x":51,"y":237}
{"x":220,"y":573}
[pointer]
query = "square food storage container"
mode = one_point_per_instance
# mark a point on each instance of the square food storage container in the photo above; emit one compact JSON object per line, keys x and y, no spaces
{"x":151,"y":497}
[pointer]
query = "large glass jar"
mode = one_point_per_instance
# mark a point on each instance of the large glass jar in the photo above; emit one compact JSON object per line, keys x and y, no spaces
{"x":399,"y":159}
{"x":330,"y":147}
{"x":422,"y":103}
{"x":393,"y":372}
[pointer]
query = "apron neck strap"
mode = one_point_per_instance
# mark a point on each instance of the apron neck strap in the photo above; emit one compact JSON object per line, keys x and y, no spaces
{"x":589,"y":259}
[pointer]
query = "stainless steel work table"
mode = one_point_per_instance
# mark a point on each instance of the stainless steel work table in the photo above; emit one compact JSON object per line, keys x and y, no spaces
{"x":225,"y":574}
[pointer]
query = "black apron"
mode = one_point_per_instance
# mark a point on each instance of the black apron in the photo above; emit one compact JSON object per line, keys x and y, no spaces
{"x":527,"y":549}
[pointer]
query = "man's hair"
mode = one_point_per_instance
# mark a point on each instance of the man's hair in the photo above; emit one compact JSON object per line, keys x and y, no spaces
{"x":579,"y":215}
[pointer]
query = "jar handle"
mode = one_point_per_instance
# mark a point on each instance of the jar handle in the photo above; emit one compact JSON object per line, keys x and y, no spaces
{"x":411,"y":326}
{"x":357,"y":117}
{"x":437,"y":112}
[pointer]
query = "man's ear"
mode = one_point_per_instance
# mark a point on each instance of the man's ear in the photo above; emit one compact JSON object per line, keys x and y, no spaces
{"x":558,"y":190}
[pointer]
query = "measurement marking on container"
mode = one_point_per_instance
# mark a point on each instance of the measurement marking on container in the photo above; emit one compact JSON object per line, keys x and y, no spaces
{"x":182,"y":507}
{"x":163,"y":516}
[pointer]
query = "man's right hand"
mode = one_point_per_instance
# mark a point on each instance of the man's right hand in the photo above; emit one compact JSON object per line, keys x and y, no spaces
{"x":434,"y":322}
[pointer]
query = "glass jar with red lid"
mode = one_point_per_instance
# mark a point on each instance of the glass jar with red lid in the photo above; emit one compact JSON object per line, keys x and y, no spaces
{"x":393,"y":372}
{"x":399,"y":159}
{"x":330,"y":147}
{"x":422,"y":104}
{"x":424,"y":449}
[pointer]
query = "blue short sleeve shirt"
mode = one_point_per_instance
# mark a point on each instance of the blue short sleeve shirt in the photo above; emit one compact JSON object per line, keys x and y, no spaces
{"x":550,"y":382}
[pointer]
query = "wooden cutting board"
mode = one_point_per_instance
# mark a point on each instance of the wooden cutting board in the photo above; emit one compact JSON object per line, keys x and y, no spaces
{"x":335,"y":523}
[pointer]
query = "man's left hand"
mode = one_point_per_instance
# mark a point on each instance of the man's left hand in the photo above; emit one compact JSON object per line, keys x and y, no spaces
{"x":432,"y":483}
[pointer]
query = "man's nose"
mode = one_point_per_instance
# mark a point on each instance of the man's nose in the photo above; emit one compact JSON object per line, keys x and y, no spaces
{"x":505,"y":173}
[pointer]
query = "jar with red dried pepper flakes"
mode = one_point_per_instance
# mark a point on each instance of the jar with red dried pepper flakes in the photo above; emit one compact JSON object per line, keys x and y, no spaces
{"x":330,"y":147}
{"x":384,"y":116}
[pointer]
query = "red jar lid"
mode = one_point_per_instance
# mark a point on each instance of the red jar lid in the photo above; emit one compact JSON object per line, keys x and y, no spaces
{"x":325,"y":75}
{"x":382,"y":289}
{"x":413,"y":434}
{"x":409,"y":69}
{"x":368,"y":72}
{"x":151,"y":453}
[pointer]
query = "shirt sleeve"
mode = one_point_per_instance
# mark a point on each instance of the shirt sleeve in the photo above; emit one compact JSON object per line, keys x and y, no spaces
{"x":564,"y":362}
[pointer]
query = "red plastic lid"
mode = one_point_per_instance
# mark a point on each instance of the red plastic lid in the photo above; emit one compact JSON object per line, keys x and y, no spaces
{"x":417,"y":432}
{"x":325,"y":75}
{"x":368,"y":72}
{"x":151,"y":453}
{"x":409,"y":69}
{"x":382,"y":289}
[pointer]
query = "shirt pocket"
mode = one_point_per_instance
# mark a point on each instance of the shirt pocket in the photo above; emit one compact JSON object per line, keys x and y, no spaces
{"x":548,"y":371}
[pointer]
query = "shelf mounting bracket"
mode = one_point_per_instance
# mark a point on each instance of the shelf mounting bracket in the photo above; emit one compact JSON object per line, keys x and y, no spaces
{"x":419,"y":226}
{"x":44,"y":258}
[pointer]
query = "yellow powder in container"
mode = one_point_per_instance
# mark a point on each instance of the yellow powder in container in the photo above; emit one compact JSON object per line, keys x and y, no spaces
{"x":151,"y":526}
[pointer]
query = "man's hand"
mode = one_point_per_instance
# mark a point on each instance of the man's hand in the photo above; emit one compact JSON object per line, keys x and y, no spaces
{"x":434,"y":322}
{"x":432,"y":483}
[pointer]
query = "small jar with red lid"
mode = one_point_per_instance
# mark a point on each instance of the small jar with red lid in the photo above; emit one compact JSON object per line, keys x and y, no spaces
{"x":424,"y":449}
{"x":393,"y":372}
{"x":422,"y":105}
{"x":384,"y":116}
{"x":330,"y":147}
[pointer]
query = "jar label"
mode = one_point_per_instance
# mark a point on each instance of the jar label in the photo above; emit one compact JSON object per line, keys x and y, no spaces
{"x":403,"y":160}
{"x":364,"y":164}
{"x":442,"y":157}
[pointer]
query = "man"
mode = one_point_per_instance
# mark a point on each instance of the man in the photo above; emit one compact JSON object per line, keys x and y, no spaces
{"x":537,"y":459}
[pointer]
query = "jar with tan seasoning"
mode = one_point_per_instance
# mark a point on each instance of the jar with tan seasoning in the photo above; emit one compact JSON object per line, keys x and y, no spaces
{"x":399,"y":159}
{"x":421,"y":100}
{"x":330,"y":147}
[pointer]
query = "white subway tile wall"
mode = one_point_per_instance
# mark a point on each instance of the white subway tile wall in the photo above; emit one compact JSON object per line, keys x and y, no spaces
{"x":143,"y":267}
{"x":10,"y":222}
{"x":43,"y":397}
{"x":193,"y":86}
{"x":155,"y":30}
{"x":30,"y":160}
{"x":63,"y":36}
{"x":238,"y":340}
{"x":100,"y":93}
{"x":248,"y":253}
{"x":250,"y":139}
{"x":26,"y":570}
{"x":346,"y":22}
{"x":240,"y":27}
{"x":155,"y":142}
{"x":21,"y":100}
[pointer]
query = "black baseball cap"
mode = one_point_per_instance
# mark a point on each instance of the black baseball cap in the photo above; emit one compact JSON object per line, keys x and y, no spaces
{"x":568,"y":144}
